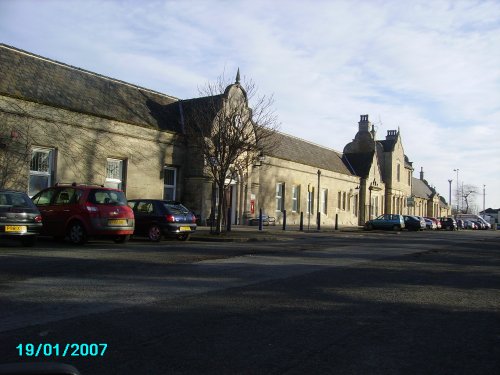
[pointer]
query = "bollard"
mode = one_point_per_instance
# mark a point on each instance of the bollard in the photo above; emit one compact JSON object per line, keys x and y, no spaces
{"x":229,"y":219}
{"x":301,"y":228}
{"x":336,"y":221}
{"x":284,"y":219}
{"x":318,"y":220}
{"x":260,"y":218}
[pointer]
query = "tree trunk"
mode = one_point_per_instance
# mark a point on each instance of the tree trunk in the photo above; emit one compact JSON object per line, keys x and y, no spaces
{"x":218,"y":226}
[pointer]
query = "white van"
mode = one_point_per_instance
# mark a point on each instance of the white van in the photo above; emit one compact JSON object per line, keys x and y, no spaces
{"x":473,"y":218}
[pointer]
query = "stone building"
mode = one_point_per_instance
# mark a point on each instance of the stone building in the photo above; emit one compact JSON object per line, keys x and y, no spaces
{"x":426,"y":200}
{"x":384,"y":168}
{"x":89,"y":128}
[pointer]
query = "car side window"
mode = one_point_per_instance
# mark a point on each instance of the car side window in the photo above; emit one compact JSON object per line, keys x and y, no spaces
{"x":65,"y":196}
{"x":145,"y":207}
{"x":44,"y":197}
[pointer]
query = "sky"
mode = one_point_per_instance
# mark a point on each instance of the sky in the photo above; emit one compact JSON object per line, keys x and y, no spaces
{"x":428,"y":68}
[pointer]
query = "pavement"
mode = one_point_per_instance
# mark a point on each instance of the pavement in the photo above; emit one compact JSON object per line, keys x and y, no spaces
{"x":246,"y":233}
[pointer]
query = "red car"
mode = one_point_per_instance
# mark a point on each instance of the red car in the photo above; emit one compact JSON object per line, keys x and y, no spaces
{"x":436,"y":221}
{"x":82,"y":211}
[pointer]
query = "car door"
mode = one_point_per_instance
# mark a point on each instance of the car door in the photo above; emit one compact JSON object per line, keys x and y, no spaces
{"x":144,"y":216}
{"x":64,"y":206}
{"x":385,"y":221}
{"x":43,"y":200}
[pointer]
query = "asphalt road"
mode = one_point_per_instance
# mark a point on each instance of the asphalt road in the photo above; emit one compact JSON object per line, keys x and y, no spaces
{"x":343,"y":303}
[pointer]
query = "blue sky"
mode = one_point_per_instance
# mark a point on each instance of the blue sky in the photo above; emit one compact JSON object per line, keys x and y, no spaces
{"x":431,"y":68}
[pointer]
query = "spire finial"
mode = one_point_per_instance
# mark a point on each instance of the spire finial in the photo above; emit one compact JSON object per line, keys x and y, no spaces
{"x":238,"y":76}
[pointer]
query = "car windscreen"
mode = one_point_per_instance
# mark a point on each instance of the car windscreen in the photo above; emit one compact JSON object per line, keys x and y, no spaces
{"x":15,"y":199}
{"x":107,"y":197}
{"x":176,"y":208}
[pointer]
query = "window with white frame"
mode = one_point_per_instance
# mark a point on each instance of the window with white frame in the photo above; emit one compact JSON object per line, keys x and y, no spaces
{"x":339,"y":200}
{"x":280,"y":190}
{"x":295,"y":198}
{"x":324,"y":201}
{"x":310,"y":201}
{"x":41,"y":170}
{"x":169,"y":183}
{"x":115,"y":171}
{"x":344,"y":200}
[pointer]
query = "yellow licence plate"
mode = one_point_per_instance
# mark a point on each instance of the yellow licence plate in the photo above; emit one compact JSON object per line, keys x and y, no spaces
{"x":184,"y":229}
{"x":117,"y":222}
{"x":16,"y":228}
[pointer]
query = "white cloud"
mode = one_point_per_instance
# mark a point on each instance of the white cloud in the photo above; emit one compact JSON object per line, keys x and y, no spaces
{"x":430,"y":68}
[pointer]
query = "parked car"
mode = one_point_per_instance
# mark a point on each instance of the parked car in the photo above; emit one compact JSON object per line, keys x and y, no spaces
{"x":386,"y":221}
{"x":19,"y":217}
{"x":479,"y":224}
{"x":156,"y":218}
{"x":414,"y":222}
{"x":422,"y":222}
{"x":430,"y":224}
{"x":448,"y":223}
{"x":82,"y":211}
{"x":475,"y":218}
{"x":468,"y":224}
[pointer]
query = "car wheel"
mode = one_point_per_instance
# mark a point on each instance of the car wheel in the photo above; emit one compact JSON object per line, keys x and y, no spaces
{"x":77,"y":234}
{"x":183,"y":237}
{"x":369,"y":227}
{"x":396,"y":227}
{"x":28,"y":241}
{"x":122,"y":238}
{"x":154,"y":233}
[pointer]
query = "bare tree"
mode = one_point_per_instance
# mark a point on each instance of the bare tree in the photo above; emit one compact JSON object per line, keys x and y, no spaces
{"x":468,"y":194}
{"x":15,"y":151}
{"x":227,"y":133}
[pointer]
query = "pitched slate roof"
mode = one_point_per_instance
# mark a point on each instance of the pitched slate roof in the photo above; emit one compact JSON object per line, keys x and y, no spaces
{"x":38,"y":79}
{"x":300,"y":151}
{"x":388,"y":144}
{"x":419,"y":188}
{"x":360,"y":162}
{"x":200,"y":111}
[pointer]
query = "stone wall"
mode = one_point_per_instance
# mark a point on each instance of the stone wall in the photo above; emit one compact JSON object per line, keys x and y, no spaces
{"x":84,"y":142}
{"x":275,"y":171}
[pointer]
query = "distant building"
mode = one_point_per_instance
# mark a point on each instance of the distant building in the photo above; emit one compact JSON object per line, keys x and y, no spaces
{"x":86,"y":127}
{"x":491,"y":212}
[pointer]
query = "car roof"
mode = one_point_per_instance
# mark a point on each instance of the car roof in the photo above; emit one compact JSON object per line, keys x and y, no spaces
{"x":153,"y":200}
{"x":82,"y":186}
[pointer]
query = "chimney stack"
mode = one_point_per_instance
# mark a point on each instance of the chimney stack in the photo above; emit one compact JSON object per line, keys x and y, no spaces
{"x":364,"y":124}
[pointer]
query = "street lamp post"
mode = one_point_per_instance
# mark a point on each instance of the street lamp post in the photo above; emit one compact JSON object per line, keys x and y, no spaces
{"x":484,"y":201}
{"x":458,"y":192}
{"x":449,"y":197}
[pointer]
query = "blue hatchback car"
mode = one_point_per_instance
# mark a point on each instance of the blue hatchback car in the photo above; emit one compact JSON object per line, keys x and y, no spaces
{"x":155,"y":218}
{"x":386,"y":221}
